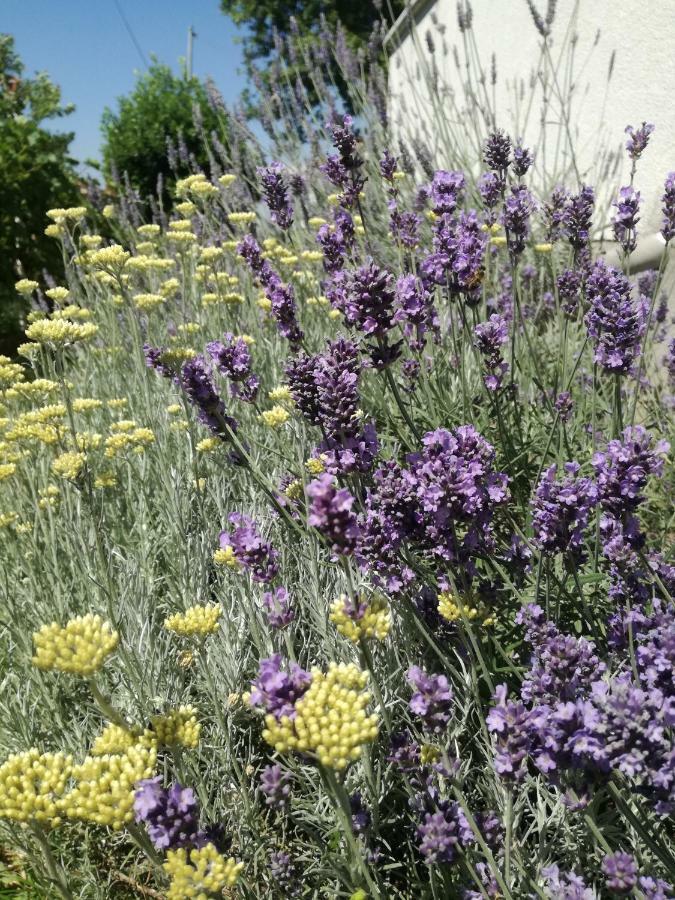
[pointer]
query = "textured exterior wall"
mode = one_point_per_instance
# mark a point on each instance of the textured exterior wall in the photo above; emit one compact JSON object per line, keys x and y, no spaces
{"x":636,"y":43}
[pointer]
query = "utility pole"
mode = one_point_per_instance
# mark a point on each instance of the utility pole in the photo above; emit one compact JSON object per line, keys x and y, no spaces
{"x":191,"y":34}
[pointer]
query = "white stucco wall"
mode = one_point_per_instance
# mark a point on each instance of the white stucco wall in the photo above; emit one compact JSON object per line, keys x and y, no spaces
{"x":636,"y":41}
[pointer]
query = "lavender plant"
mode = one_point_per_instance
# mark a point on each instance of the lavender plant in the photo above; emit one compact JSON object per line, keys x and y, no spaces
{"x":337,"y":535}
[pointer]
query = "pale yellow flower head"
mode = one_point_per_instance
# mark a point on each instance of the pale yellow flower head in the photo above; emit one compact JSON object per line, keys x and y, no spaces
{"x":201,"y":874}
{"x":80,"y":647}
{"x":196,"y":621}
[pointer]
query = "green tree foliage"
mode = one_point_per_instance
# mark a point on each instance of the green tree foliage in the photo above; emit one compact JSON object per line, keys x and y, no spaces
{"x":36,"y":174}
{"x":161,"y":107}
{"x":306,"y":21}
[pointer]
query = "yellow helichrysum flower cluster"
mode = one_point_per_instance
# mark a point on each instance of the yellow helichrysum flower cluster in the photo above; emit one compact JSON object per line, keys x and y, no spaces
{"x":316,"y":465}
{"x":150,"y":263}
{"x":60,"y":331}
{"x":368,"y":620}
{"x":182,"y":237}
{"x":241,"y":218}
{"x":224,"y":556}
{"x":85,"y":404}
{"x":330,"y":720}
{"x":49,"y":497}
{"x":275,"y":417}
{"x":179,"y":727}
{"x":281,"y":394}
{"x":91,"y":241}
{"x":30,"y":388}
{"x":180,"y":225}
{"x":7,"y":470}
{"x":543,"y":248}
{"x":58,"y":294}
{"x":206,"y":445}
{"x":111,"y":258}
{"x":150,"y":230}
{"x":186,"y":208}
{"x":148,"y":302}
{"x":80,"y":647}
{"x":135,"y":440}
{"x":452,"y":609}
{"x":9,"y":371}
{"x":69,"y":465}
{"x":103,"y":791}
{"x":199,"y":873}
{"x":73,"y":212}
{"x":196,"y":620}
{"x":32,"y":785}
{"x":115,"y":739}
{"x":227,"y":179}
{"x":26,"y":286}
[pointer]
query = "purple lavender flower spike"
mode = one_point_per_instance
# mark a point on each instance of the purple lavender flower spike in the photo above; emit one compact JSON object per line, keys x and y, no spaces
{"x":510,"y":722}
{"x":522,"y":159}
{"x":625,"y":219}
{"x":491,"y":189}
{"x":388,"y":166}
{"x":233,"y":359}
{"x":250,"y":550}
{"x":497,"y":151}
{"x":277,"y":691}
{"x":578,"y":218}
{"x":620,"y":871}
{"x":489,"y":337}
{"x":668,"y":208}
{"x":615,"y":322}
{"x":561,"y":510}
{"x":443,"y":834}
{"x":518,"y":208}
{"x":415,"y":311}
{"x":278,"y":607}
{"x":432,"y":700}
{"x":566,"y":885}
{"x":638,"y":138}
{"x":446,"y":191}
{"x":275,"y":784}
{"x":569,"y":290}
{"x":275,"y":193}
{"x":171,"y":815}
{"x":331,"y":513}
{"x":554,"y":212}
{"x":195,"y":379}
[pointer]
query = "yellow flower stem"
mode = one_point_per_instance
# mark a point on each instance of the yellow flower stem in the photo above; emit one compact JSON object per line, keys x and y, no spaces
{"x":105,"y":705}
{"x":340,"y":800}
{"x":55,"y":871}
{"x":367,"y":663}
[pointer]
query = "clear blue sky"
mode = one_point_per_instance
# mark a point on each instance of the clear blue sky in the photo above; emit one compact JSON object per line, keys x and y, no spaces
{"x":87,"y":50}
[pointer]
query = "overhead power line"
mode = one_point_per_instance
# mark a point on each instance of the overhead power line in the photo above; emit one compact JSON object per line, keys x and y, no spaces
{"x":131,"y":34}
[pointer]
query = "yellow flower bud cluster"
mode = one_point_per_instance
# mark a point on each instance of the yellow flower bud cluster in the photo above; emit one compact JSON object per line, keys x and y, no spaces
{"x":36,"y":388}
{"x":206,"y":445}
{"x":177,"y":728}
{"x":72,"y":312}
{"x":105,"y":480}
{"x":85,"y":404}
{"x":187,"y":208}
{"x":79,"y":647}
{"x":135,"y":440}
{"x":330,"y":720}
{"x":103,"y":792}
{"x":150,"y":230}
{"x":316,"y":465}
{"x":453,"y":610}
{"x":169,"y":287}
{"x":371,"y":620}
{"x":200,"y":873}
{"x":182,"y":237}
{"x":295,"y":490}
{"x":148,"y":302}
{"x":149,"y":264}
{"x":73,"y":213}
{"x":227,"y":179}
{"x":281,"y":394}
{"x":32,"y":784}
{"x":69,"y":465}
{"x":180,"y":225}
{"x":109,"y":258}
{"x":195,"y":621}
{"x":241,"y":218}
{"x":275,"y":417}
{"x":49,"y":497}
{"x":429,"y":754}
{"x":58,"y":294}
{"x":7,"y":470}
{"x":116,"y":739}
{"x":26,"y":286}
{"x":60,"y":331}
{"x":224,"y":556}
{"x":9,"y":371}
